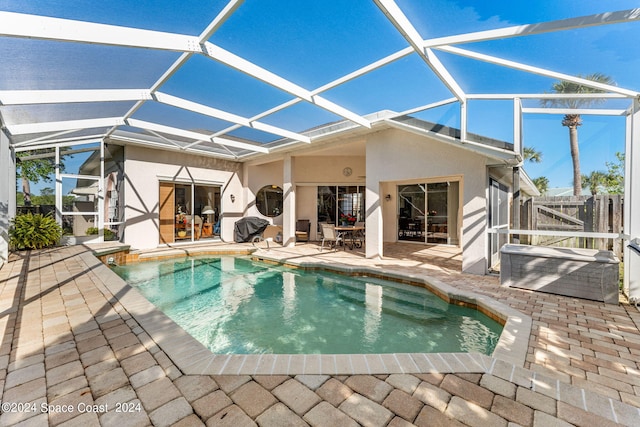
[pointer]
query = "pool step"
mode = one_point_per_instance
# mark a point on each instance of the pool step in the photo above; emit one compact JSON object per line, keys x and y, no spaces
{"x":398,"y":307}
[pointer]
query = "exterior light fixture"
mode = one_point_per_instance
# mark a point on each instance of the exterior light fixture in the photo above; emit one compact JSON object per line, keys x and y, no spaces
{"x":387,"y":197}
{"x":233,"y":198}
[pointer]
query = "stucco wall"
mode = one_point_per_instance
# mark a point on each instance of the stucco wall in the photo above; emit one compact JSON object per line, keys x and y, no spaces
{"x":259,"y":176}
{"x":7,"y":195}
{"x":394,"y":156}
{"x":145,"y":168}
{"x":308,"y":173}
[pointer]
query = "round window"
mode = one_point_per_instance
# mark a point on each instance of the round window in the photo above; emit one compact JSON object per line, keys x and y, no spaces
{"x":269,"y":200}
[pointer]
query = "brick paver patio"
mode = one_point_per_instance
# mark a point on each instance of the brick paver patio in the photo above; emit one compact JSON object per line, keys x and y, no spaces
{"x":72,"y":355}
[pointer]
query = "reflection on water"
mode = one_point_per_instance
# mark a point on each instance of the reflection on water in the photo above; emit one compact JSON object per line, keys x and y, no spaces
{"x":235,"y":305}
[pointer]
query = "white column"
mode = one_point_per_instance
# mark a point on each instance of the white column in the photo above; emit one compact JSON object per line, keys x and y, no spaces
{"x":58,"y":186}
{"x":373,"y":212}
{"x":289,"y":203}
{"x":517,"y":126}
{"x":7,"y":194}
{"x":101,"y":195}
{"x":463,"y":120}
{"x":632,"y":201}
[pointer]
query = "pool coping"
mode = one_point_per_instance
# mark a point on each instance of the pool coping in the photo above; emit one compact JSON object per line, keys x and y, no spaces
{"x":193,"y":358}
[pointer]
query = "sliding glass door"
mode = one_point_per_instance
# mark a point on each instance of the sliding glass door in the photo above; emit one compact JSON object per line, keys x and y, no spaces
{"x":428,"y":212}
{"x":340,"y":203}
{"x":188,"y":212}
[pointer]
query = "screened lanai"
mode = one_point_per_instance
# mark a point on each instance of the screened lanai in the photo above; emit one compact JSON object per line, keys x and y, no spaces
{"x":243,"y":80}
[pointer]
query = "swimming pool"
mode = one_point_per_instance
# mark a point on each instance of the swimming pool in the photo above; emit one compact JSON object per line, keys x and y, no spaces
{"x":234,"y":305}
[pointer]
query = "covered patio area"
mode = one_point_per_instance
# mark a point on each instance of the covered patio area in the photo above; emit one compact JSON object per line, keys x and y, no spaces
{"x":77,"y":355}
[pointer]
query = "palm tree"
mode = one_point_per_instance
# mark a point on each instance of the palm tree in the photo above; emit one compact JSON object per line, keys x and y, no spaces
{"x":596,"y":181}
{"x":532,"y":155}
{"x":542,"y":184}
{"x":572,"y":121}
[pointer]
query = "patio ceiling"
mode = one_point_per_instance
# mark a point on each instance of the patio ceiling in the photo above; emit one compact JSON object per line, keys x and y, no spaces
{"x":226,"y":80}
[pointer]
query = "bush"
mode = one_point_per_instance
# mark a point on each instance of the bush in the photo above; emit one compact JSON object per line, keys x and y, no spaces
{"x":108,"y":234}
{"x":34,"y":232}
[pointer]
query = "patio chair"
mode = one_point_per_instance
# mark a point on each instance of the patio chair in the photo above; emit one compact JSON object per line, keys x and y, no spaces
{"x":303,"y":229}
{"x":329,"y":234}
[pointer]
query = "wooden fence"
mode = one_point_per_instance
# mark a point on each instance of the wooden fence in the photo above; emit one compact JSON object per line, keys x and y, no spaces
{"x":600,"y":214}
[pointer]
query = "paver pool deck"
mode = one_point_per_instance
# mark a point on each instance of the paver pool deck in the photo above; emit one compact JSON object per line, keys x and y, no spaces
{"x":76,"y":352}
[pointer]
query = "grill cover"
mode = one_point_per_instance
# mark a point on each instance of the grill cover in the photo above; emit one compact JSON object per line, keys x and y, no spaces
{"x":247,"y":228}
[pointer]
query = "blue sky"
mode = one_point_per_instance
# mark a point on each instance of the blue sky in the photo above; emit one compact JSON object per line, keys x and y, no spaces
{"x":312,"y":43}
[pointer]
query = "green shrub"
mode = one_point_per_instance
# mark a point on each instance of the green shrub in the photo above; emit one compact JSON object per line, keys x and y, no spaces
{"x":108,"y":234}
{"x":31,"y":231}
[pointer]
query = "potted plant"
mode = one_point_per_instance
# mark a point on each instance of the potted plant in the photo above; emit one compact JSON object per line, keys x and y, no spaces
{"x":347,"y":219}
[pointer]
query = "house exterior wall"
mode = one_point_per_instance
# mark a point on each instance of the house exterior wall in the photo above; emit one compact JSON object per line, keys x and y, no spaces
{"x":394,"y":156}
{"x":145,"y":168}
{"x":308,"y":173}
{"x":259,"y":176}
{"x":312,"y":171}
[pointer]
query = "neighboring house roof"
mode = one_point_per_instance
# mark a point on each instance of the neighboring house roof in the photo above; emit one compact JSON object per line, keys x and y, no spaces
{"x":565,"y":191}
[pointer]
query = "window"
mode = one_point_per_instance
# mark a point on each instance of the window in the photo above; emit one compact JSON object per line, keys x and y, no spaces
{"x":269,"y":200}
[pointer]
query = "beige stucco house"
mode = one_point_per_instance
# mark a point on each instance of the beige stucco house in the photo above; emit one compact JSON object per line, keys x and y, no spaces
{"x":405,"y":179}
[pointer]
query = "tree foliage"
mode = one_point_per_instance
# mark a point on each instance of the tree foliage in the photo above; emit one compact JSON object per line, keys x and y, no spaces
{"x":35,"y":166}
{"x":596,"y":181}
{"x":609,"y":182}
{"x":542,"y":184}
{"x":31,"y":231}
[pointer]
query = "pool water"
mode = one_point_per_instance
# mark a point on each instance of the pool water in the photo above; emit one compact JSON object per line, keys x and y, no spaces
{"x":234,"y":305}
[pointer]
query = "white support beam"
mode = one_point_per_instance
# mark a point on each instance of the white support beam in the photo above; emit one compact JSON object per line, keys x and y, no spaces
{"x":517,"y":126}
{"x":582,"y":111}
{"x":364,"y":70}
{"x":174,"y":101}
{"x":424,"y":107}
{"x":499,"y":96}
{"x":42,"y":138}
{"x":208,"y":32}
{"x":220,"y":19}
{"x":464,"y":121}
{"x":408,"y":31}
{"x":62,"y":143}
{"x":46,"y":28}
{"x":335,"y":83}
{"x":145,"y":143}
{"x":539,"y":28}
{"x":223,"y":115}
{"x":196,"y":136}
{"x":539,"y":71}
{"x":24,"y":129}
{"x":24,"y":97}
{"x":234,"y":61}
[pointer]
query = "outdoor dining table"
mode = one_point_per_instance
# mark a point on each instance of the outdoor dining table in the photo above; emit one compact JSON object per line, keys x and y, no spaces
{"x":349,"y":232}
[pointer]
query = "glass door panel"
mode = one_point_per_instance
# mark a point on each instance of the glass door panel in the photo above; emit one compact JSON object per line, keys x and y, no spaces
{"x":428,"y":213}
{"x":327,"y":205}
{"x":207,"y":203}
{"x":411,"y":212}
{"x":80,"y":209}
{"x":498,"y":219}
{"x":437,"y":213}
